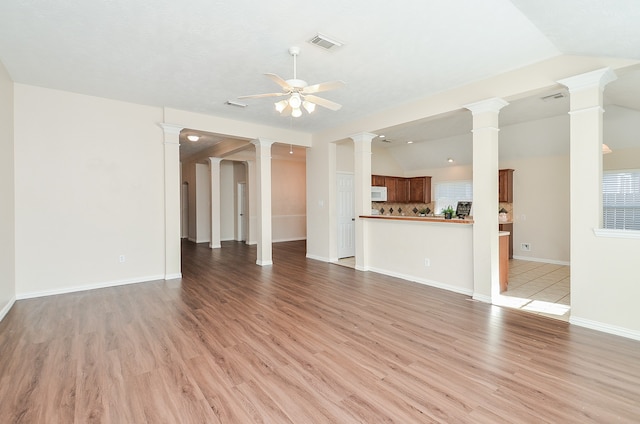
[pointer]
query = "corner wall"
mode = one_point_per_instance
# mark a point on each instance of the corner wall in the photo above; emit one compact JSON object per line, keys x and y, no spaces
{"x":7,"y":194}
{"x":89,"y":184}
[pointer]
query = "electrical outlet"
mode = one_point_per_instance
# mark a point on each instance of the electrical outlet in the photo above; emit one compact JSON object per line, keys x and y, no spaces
{"x":525,"y":246}
{"x":121,"y":258}
{"x":427,"y":262}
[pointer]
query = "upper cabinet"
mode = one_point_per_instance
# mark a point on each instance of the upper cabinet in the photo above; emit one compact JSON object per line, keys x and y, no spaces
{"x":397,"y":189}
{"x":505,"y":185}
{"x":377,"y":181}
{"x":405,"y":190}
{"x":420,"y":190}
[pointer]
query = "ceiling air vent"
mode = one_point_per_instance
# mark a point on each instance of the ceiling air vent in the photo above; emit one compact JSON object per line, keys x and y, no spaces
{"x":554,"y":96}
{"x":325,"y":42}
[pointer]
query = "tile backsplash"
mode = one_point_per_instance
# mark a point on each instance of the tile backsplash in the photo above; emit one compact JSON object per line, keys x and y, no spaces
{"x":413,"y":209}
{"x":400,"y":209}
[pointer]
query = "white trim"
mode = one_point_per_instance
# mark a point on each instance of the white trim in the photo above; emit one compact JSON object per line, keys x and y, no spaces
{"x":320,"y":258}
{"x":482,"y":298}
{"x":65,"y":290}
{"x":264,"y":263}
{"x":173,"y":276}
{"x":605,"y":328}
{"x":289,"y":239}
{"x":426,"y":282}
{"x":543,"y":260}
{"x":627,"y":234}
{"x":5,"y":310}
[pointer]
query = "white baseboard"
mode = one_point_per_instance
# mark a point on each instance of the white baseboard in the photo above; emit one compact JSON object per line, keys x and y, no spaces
{"x":289,"y":239}
{"x":546,"y":261}
{"x":426,"y":282}
{"x":605,"y":328}
{"x":43,"y":293}
{"x":264,"y":263}
{"x":318,"y":258}
{"x":482,"y":298}
{"x":173,"y":276}
{"x":6,"y":308}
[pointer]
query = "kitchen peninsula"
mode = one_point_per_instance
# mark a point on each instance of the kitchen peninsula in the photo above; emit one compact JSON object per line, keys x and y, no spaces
{"x":429,"y":250}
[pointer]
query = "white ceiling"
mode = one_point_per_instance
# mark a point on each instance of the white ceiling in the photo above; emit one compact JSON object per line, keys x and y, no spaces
{"x":196,"y":55}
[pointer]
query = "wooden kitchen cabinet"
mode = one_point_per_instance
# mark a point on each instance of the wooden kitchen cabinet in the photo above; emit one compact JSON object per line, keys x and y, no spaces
{"x":397,"y":189}
{"x":505,"y":185}
{"x":508,"y":227}
{"x":419,"y":190}
{"x":377,"y":181}
{"x":404,"y":190}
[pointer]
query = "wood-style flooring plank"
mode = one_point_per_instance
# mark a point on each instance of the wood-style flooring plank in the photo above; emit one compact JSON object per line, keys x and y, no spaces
{"x":302,"y":341}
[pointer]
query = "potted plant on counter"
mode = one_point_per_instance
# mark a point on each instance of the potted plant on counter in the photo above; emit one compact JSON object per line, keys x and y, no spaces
{"x":424,"y":211}
{"x":448,"y":212}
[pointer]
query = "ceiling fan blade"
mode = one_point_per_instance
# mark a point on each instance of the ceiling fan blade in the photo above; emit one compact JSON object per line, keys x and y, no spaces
{"x":282,"y":83}
{"x":259,"y":96}
{"x":323,"y":86}
{"x":322,"y":102}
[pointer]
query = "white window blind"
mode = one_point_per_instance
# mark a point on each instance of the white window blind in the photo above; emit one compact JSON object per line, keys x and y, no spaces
{"x":621,"y":200}
{"x":451,"y":192}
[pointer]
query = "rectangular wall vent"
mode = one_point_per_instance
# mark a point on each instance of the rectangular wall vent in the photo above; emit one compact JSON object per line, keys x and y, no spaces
{"x":325,"y":42}
{"x":554,"y":96}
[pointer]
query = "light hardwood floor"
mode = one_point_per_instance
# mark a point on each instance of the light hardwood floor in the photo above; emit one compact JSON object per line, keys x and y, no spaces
{"x":302,"y":342}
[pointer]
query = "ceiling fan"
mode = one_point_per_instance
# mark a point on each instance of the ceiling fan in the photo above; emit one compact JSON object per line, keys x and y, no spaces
{"x":300,"y":93}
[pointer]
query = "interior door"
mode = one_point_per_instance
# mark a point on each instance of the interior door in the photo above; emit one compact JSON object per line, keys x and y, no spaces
{"x":242,"y":213}
{"x":346,"y":216}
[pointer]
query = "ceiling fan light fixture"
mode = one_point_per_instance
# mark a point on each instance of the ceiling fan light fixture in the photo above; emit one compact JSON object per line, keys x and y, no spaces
{"x":281,"y":105}
{"x":309,"y":107}
{"x":295,"y":101}
{"x":296,"y":113}
{"x":193,"y":137}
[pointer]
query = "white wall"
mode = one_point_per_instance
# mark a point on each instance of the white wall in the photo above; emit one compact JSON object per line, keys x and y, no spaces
{"x":321,"y":216}
{"x":227,"y":201}
{"x":288,"y":200}
{"x":89,"y":183}
{"x":541,"y":208}
{"x":203,"y":203}
{"x":7,"y":194}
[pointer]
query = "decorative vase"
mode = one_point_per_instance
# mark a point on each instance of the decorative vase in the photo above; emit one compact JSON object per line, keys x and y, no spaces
{"x":448,"y":215}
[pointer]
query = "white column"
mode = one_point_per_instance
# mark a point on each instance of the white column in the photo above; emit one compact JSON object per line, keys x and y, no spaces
{"x":214,"y":167}
{"x":252,"y":201}
{"x":362,"y":189}
{"x":263,"y":195}
{"x":585,"y":147}
{"x":585,"y":174}
{"x":486,"y":272}
{"x":172,"y":267}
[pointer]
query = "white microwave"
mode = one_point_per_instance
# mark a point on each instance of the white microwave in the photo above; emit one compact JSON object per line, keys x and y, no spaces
{"x":378,"y":194}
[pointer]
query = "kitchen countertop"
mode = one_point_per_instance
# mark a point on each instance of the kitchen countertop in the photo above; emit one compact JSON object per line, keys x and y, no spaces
{"x":420,"y":219}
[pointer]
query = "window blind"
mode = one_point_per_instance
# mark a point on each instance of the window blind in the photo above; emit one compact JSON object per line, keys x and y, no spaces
{"x":451,"y":192}
{"x":621,"y":200}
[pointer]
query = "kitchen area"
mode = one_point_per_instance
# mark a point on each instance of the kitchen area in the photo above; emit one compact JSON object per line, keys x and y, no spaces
{"x":404,"y":211}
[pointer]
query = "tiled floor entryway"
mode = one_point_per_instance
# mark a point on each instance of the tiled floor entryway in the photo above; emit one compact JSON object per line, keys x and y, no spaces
{"x":538,"y":287}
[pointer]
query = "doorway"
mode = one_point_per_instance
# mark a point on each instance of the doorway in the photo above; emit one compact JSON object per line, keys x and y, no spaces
{"x":241,"y":209}
{"x":346,"y":215}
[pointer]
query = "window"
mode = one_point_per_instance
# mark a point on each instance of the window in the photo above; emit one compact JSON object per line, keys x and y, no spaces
{"x":621,"y":200}
{"x":451,"y":192}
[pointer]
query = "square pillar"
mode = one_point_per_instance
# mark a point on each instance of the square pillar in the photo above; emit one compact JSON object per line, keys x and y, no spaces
{"x":362,"y":192}
{"x":172,"y":267}
{"x":214,"y":168}
{"x":263,"y":196}
{"x":486,"y":269}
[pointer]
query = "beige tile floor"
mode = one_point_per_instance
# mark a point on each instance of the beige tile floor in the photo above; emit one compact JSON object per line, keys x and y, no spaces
{"x":535,"y":287}
{"x":539,"y":288}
